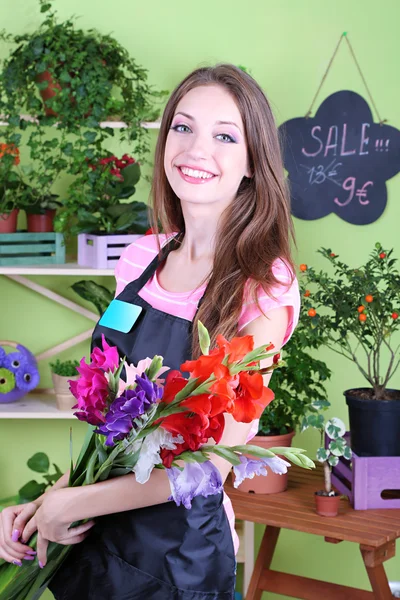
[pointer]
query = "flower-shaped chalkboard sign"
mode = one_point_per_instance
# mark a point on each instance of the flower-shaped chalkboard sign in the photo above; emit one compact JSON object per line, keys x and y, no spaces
{"x":339,"y":160}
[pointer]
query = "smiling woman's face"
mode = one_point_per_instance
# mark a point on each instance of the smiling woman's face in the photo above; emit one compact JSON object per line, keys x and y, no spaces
{"x":206,"y":154}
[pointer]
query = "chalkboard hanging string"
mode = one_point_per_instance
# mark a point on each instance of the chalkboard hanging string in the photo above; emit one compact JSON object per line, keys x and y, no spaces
{"x":308,"y":114}
{"x":344,"y":35}
{"x":381,"y":121}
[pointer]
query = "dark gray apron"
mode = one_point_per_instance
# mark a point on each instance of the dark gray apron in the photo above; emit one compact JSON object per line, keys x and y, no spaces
{"x":162,"y":552}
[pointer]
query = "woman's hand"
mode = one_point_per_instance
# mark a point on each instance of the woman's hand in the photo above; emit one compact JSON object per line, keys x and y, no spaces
{"x":53,"y":524}
{"x":13,"y":523}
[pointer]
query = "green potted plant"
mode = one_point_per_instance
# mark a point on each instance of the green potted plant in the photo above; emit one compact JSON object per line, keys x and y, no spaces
{"x":41,"y":213}
{"x":84,"y":77}
{"x":105,"y":223}
{"x":61,"y":373}
{"x":299,"y":389}
{"x":10,"y":188}
{"x":333,"y":446}
{"x":354,"y":311}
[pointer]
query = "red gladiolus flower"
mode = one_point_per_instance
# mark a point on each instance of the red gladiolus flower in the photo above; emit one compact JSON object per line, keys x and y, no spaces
{"x":251,"y":397}
{"x":174,"y":383}
{"x":204,"y":366}
{"x":237,"y":348}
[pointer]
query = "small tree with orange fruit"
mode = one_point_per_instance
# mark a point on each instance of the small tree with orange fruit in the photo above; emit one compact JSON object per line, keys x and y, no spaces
{"x":355,"y":311}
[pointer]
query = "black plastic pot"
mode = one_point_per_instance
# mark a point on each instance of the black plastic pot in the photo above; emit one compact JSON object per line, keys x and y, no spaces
{"x":374,"y":425}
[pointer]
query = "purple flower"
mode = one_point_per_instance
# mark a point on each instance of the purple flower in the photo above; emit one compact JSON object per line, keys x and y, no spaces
{"x":196,"y":479}
{"x":250,"y":467}
{"x":126,"y":408}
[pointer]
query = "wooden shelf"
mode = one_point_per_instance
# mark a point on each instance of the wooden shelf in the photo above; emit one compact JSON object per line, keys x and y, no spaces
{"x":34,"y":406}
{"x":64,"y":269}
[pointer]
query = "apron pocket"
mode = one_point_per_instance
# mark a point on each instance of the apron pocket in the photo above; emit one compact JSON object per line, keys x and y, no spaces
{"x":134,"y":584}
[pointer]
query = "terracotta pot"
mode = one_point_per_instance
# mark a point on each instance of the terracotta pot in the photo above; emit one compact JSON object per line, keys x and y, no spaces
{"x":271,"y":483}
{"x":8,"y":221}
{"x":64,"y":399}
{"x":52,"y":90}
{"x":327,"y":506}
{"x":41,"y":223}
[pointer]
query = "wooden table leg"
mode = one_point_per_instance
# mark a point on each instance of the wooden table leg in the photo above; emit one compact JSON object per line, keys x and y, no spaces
{"x":263,"y":561}
{"x":373,"y":559}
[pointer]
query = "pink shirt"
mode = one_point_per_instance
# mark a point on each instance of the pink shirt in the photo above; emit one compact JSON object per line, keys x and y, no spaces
{"x":137,"y":256}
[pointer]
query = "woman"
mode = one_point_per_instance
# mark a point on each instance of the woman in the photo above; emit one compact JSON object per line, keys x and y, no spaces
{"x":224,"y":258}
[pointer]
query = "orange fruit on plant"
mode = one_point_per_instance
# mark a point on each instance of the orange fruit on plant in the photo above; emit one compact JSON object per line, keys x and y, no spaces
{"x":395,"y":315}
{"x":362,"y":317}
{"x":369,"y":298}
{"x":312,"y":312}
{"x":303,"y":267}
{"x":382,"y":255}
{"x":307,"y":293}
{"x":361,"y":309}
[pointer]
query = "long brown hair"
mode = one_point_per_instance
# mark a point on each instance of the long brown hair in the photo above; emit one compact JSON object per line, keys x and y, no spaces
{"x":256,"y":227}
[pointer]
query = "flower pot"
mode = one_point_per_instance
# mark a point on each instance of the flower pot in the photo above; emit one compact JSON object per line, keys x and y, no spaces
{"x":8,"y":221}
{"x":64,"y":399}
{"x":52,"y":90}
{"x":374,"y":424}
{"x":41,"y":223}
{"x":271,"y":483}
{"x":327,"y":506}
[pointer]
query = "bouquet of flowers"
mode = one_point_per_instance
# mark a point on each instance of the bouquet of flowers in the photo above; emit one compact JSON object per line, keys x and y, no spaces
{"x":142,"y":422}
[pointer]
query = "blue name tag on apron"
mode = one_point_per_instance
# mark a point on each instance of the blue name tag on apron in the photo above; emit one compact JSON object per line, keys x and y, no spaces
{"x":120,"y":316}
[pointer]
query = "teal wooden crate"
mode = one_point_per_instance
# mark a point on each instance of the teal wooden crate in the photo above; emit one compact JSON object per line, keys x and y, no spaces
{"x":31,"y":249}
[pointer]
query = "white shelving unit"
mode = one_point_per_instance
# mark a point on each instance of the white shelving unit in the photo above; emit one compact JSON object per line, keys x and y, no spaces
{"x":112,"y":124}
{"x":34,"y":406}
{"x":65,"y":269}
{"x":19,"y":273}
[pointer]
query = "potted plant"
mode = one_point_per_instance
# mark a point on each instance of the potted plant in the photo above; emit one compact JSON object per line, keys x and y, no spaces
{"x":105,"y":223}
{"x":355,"y":312}
{"x":299,"y":389}
{"x":10,"y":184}
{"x":40,"y":214}
{"x":62,"y":372}
{"x":84,"y":77}
{"x":333,"y":446}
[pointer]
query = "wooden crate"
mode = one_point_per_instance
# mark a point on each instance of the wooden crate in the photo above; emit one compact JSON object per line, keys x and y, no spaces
{"x":32,"y":248}
{"x":370,"y":482}
{"x":102,"y":251}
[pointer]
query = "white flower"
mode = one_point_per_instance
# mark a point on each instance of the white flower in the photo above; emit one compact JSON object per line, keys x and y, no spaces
{"x":150,"y":452}
{"x":132,"y":371}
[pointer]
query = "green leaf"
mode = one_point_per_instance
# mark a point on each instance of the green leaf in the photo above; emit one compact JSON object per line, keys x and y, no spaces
{"x":31,"y":490}
{"x":347,"y":453}
{"x":131,"y":174}
{"x":254,"y":451}
{"x":335,"y":428}
{"x":204,"y":338}
{"x":333,"y":461}
{"x":39,"y":463}
{"x":322,"y":454}
{"x":90,"y":136}
{"x":337,"y":446}
{"x":91,"y":291}
{"x":227,"y":454}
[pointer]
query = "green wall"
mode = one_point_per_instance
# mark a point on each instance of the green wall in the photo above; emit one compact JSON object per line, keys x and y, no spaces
{"x":286,"y":44}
